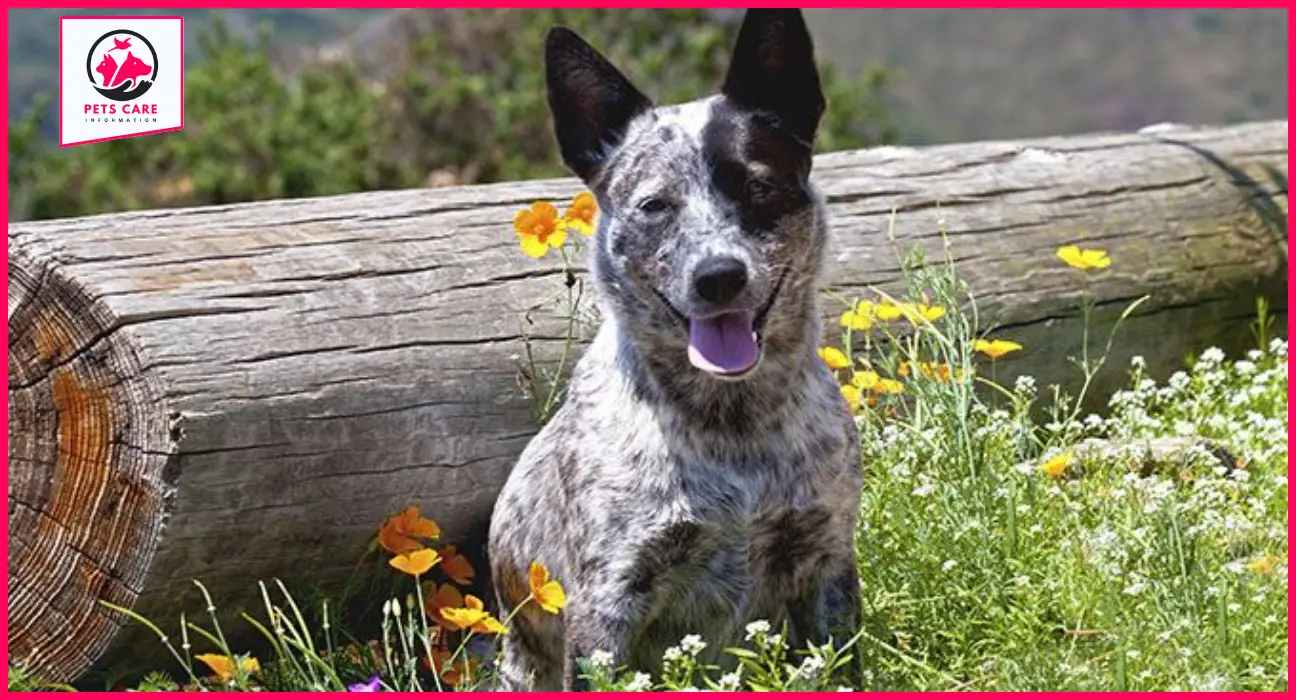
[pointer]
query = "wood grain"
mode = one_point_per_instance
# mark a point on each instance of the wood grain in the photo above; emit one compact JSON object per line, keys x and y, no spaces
{"x":236,"y":393}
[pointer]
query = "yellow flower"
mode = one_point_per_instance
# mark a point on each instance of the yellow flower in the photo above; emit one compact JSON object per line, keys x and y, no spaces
{"x":1083,"y":259}
{"x":473,"y":616}
{"x":859,"y":318}
{"x":580,"y":215}
{"x":549,"y":594}
{"x":539,"y":230}
{"x":223,"y":666}
{"x":931,"y":313}
{"x":400,"y":533}
{"x":834,"y":358}
{"x":1263,"y":565}
{"x":866,"y":380}
{"x":1057,"y":465}
{"x":889,"y":386}
{"x":995,"y":349}
{"x":854,"y":399}
{"x":886,"y":311}
{"x":415,"y":563}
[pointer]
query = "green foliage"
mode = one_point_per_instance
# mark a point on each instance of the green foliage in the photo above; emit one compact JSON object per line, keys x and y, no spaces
{"x":446,"y":97}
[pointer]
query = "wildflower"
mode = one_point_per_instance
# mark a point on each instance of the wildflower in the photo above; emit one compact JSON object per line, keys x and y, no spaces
{"x":456,"y":566}
{"x":415,"y":563}
{"x":223,"y":666}
{"x":812,"y":664}
{"x":692,"y":644}
{"x":1134,"y":588}
{"x":1083,"y":259}
{"x":853,"y":398}
{"x":539,"y":230}
{"x":601,"y":659}
{"x":995,"y":349}
{"x":371,"y":687}
{"x":887,"y":311}
{"x":473,"y":616}
{"x":549,"y":594}
{"x":730,"y":681}
{"x":889,"y":386}
{"x":834,"y":358}
{"x":1057,"y":465}
{"x":1263,"y":565}
{"x":446,"y":596}
{"x":639,"y":683}
{"x":400,"y":533}
{"x":866,"y":380}
{"x":580,"y":215}
{"x":948,"y":564}
{"x":859,"y":318}
{"x":758,"y":628}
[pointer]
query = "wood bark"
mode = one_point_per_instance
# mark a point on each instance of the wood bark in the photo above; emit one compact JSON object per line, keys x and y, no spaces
{"x":238,"y":393}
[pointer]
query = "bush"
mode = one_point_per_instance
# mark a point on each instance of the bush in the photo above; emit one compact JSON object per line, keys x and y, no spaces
{"x":447,"y":97}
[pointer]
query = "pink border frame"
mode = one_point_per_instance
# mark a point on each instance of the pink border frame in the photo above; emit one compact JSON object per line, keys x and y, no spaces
{"x":4,"y":101}
{"x":64,"y":18}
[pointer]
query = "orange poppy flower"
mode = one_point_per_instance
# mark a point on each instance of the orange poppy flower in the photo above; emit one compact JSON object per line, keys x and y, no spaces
{"x":456,"y":566}
{"x":400,"y":533}
{"x":473,"y":616}
{"x":446,"y":596}
{"x":415,"y":563}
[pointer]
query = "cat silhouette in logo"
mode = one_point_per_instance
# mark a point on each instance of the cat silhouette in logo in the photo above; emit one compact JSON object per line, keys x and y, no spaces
{"x":113,"y":75}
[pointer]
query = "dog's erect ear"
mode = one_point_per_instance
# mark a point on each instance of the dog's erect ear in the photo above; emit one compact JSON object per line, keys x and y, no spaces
{"x":591,"y":101}
{"x":773,"y":70}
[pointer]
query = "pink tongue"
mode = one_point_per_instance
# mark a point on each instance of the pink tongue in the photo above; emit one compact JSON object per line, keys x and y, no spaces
{"x":723,"y":344}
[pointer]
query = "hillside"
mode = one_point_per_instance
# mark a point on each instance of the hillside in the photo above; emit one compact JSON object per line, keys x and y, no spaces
{"x":960,"y":74}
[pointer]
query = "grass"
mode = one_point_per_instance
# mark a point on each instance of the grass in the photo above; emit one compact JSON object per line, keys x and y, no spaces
{"x":1005,"y":541}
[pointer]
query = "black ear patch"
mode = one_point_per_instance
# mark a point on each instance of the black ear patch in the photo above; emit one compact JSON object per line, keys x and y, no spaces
{"x":591,"y":101}
{"x":773,"y":70}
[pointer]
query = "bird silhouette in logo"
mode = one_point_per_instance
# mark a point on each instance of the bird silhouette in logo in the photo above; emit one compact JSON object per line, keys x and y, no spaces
{"x":121,"y":44}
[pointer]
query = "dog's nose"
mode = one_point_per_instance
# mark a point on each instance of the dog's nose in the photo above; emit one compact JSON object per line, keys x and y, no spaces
{"x":720,"y":279}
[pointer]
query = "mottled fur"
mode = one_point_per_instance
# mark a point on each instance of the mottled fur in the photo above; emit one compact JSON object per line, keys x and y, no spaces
{"x":670,"y":501}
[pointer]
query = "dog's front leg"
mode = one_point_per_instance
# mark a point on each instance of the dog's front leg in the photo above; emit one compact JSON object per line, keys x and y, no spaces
{"x":598,"y":619}
{"x":829,"y":609}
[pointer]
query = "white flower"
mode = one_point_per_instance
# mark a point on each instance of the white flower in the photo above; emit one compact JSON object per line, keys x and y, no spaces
{"x":759,"y":628}
{"x":673,"y":654}
{"x":730,"y":681}
{"x":639,"y":683}
{"x":1022,"y":580}
{"x":1212,"y":355}
{"x":601,"y":659}
{"x":1025,"y":385}
{"x":692,"y":644}
{"x":1135,"y":588}
{"x":1235,"y":567}
{"x":1138,"y":362}
{"x":845,"y":689}
{"x":812,"y":665}
{"x":949,"y":564}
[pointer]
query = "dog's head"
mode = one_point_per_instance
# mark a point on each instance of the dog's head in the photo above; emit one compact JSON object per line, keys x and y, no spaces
{"x":711,"y":236}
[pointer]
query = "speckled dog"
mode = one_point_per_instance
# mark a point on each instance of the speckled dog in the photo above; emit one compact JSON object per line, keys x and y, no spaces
{"x":704,"y":470}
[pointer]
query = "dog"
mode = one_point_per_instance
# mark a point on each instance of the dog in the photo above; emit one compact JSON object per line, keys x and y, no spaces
{"x":704,"y":469}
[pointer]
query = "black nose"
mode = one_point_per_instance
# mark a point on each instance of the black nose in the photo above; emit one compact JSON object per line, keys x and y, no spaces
{"x":720,"y":279}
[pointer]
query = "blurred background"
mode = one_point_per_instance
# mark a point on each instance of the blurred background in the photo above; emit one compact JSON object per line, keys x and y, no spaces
{"x":301,"y":102}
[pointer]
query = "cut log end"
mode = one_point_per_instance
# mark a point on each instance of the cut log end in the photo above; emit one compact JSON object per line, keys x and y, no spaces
{"x":87,"y":447}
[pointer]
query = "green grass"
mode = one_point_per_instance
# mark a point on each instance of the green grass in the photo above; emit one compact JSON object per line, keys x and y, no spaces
{"x":1150,"y":560}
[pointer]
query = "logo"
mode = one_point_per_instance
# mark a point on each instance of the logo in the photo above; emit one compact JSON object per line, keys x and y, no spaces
{"x":119,"y":77}
{"x":118,"y":73}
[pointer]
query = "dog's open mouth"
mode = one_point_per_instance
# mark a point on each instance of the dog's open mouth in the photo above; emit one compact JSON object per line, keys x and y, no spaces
{"x":730,"y":344}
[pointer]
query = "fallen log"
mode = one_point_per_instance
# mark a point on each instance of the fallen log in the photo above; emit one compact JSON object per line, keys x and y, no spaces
{"x":235,"y":393}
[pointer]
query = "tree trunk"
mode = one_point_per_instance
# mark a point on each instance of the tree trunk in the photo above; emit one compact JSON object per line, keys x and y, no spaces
{"x":238,"y":393}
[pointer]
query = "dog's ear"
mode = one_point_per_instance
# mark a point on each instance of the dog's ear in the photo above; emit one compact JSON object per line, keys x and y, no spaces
{"x":591,"y":101}
{"x":773,"y":70}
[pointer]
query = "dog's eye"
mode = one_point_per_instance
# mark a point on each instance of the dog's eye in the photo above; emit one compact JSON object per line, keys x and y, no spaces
{"x":653,"y":205}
